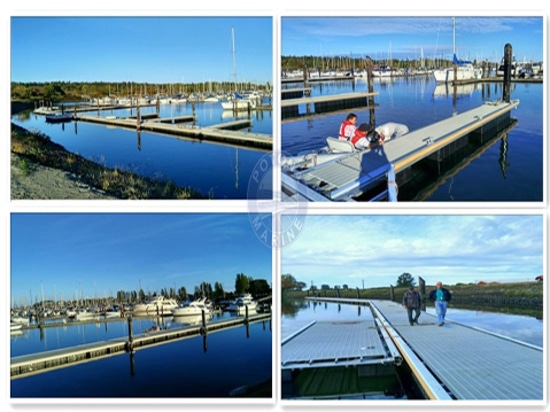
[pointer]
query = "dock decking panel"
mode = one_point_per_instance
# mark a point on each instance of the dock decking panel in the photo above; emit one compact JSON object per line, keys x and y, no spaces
{"x":417,"y":145}
{"x":334,"y":343}
{"x":474,"y":365}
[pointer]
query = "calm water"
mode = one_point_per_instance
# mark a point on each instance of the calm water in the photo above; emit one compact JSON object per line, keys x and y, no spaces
{"x":510,"y":171}
{"x":177,"y":369}
{"x":523,"y":328}
{"x":215,"y":170}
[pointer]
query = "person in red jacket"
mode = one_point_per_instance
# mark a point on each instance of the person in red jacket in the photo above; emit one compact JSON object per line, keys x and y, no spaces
{"x":347,"y":128}
{"x":366,"y":138}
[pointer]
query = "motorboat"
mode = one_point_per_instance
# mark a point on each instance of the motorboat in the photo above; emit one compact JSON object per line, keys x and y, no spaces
{"x":14,"y":327}
{"x":240,"y":304}
{"x":159,"y":305}
{"x":19,"y":320}
{"x":194,"y":308}
{"x":340,"y":172}
{"x":59,"y":117}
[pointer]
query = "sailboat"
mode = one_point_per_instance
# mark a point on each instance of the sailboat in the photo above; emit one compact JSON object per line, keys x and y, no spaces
{"x":385,"y":70}
{"x":238,"y":102}
{"x":464,"y":69}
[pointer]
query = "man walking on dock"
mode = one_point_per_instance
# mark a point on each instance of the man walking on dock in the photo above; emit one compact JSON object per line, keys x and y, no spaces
{"x":412,"y":302}
{"x":441,"y":296}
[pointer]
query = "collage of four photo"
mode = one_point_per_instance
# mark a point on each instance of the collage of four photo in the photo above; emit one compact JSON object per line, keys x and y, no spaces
{"x":290,"y":210}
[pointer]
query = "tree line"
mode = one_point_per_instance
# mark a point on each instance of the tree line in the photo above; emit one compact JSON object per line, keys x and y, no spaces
{"x":72,"y":91}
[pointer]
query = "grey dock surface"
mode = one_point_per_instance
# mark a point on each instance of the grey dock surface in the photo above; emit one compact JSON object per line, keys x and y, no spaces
{"x":347,"y":176}
{"x":215,"y":133}
{"x":26,"y":365}
{"x":335,"y":343}
{"x":469,"y":363}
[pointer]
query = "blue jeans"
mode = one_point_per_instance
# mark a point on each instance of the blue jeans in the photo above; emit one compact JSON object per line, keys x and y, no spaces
{"x":441,"y":310}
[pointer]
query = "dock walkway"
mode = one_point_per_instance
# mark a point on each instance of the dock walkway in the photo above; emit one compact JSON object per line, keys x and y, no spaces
{"x":349,"y":175}
{"x":469,"y":363}
{"x":26,"y":365}
{"x":215,"y":133}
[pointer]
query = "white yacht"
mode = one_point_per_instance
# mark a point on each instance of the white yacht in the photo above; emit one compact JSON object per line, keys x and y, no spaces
{"x":194,"y":308}
{"x":241,"y":303}
{"x":158,"y":305}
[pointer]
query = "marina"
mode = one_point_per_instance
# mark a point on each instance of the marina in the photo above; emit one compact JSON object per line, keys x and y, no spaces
{"x":447,"y":363}
{"x":192,"y":145}
{"x":454,"y":145}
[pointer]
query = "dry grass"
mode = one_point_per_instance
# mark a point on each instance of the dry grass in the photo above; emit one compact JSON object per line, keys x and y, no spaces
{"x":38,"y":148}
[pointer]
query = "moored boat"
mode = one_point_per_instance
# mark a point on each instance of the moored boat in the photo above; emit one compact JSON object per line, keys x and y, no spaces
{"x":159,"y":305}
{"x":194,"y":308}
{"x":59,"y":117}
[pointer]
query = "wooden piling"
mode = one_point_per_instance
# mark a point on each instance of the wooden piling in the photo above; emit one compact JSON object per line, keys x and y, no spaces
{"x":507,"y":78}
{"x":392,"y":293}
{"x":130,"y":343}
{"x":370,"y":83}
{"x":204,"y":330}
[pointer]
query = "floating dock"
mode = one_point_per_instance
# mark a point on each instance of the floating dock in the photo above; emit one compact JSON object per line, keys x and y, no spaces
{"x":453,"y":362}
{"x":173,"y":127}
{"x":352,"y":174}
{"x":290,"y":108}
{"x":22,"y":366}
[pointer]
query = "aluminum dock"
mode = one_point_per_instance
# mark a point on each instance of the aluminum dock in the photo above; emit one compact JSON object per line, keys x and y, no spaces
{"x":351,"y":174}
{"x":457,"y":362}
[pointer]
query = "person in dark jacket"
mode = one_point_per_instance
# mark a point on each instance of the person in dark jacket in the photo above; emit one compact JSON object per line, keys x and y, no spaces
{"x":412,"y":301}
{"x":441,"y":297}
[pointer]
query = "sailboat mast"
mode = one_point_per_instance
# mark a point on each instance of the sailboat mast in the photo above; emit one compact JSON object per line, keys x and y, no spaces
{"x":234,"y":62}
{"x":454,"y":38}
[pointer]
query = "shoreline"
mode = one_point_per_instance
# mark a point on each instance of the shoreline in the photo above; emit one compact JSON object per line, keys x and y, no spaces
{"x":42,"y":169}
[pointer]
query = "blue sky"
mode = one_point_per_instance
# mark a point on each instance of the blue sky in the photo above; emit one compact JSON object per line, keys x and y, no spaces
{"x":353,"y":249}
{"x":478,"y":38}
{"x":97,"y":254}
{"x":141,"y":49}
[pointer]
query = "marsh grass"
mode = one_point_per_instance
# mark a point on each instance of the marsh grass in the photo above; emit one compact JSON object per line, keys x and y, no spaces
{"x":36,"y":148}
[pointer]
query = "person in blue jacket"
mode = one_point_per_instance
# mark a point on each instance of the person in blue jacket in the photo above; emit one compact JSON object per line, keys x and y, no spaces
{"x":441,"y":297}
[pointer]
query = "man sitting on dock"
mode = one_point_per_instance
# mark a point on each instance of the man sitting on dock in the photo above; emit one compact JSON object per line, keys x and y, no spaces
{"x":366,"y":138}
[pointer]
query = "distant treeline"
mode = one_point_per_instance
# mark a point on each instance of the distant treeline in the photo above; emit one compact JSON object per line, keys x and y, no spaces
{"x":72,"y":91}
{"x":290,"y":63}
{"x":521,"y":297}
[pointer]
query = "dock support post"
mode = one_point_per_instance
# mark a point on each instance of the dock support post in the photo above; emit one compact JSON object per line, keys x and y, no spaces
{"x":138,"y":119}
{"x":130,"y":343}
{"x":358,"y":297}
{"x":392,"y":293}
{"x":204,"y":331}
{"x":306,"y":76}
{"x":422,"y":287}
{"x":370,"y":82}
{"x":507,"y":78}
